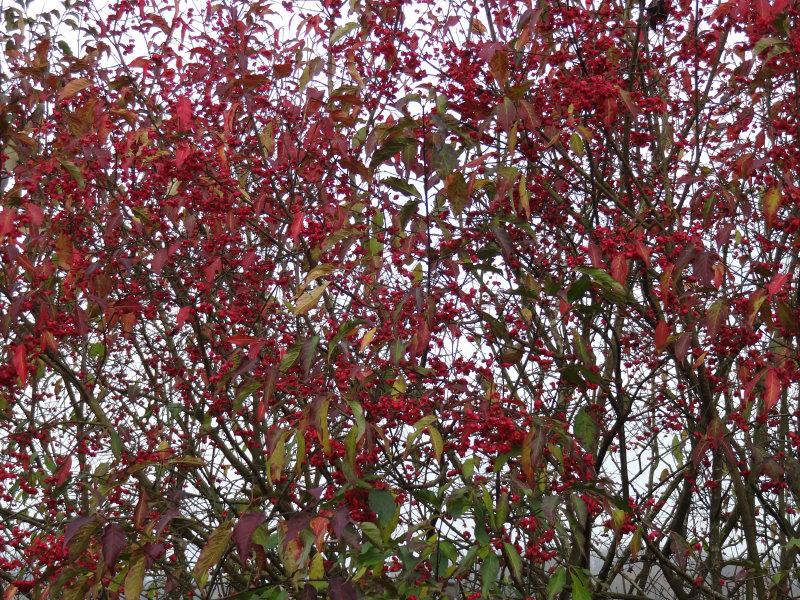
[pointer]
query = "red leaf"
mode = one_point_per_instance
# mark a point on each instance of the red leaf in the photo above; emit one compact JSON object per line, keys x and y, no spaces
{"x":7,"y":222}
{"x":113,"y":542}
{"x":210,"y":272}
{"x":297,"y":225}
{"x":661,"y":335}
{"x":36,"y":214}
{"x":153,"y":551}
{"x":159,"y":259}
{"x":682,"y":346}
{"x":776,"y":283}
{"x":181,"y":154}
{"x":140,"y":512}
{"x":63,"y":472}
{"x":243,"y":533}
{"x":619,"y":268}
{"x":241,"y":340}
{"x":183,"y":315}
{"x":261,"y":410}
{"x":183,"y":113}
{"x":20,"y":364}
{"x":772,"y":390}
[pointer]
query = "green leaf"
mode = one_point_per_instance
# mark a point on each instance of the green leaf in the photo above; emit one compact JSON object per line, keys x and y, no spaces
{"x":580,"y":585}
{"x":514,"y":560}
{"x":585,"y":429}
{"x":556,"y":583}
{"x":389,"y":149}
{"x":116,"y":444}
{"x":576,"y":143}
{"x":764,"y":43}
{"x":401,"y":186}
{"x":291,"y":356}
{"x":609,"y":287}
{"x":346,"y":328}
{"x":579,"y":288}
{"x":468,"y":560}
{"x":381,"y":502}
{"x":73,"y":170}
{"x":489,"y":570}
{"x":97,"y":350}
{"x":437,"y":441}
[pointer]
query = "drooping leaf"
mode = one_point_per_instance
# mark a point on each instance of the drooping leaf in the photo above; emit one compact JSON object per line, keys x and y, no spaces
{"x":772,"y":390}
{"x":661,"y":335}
{"x":455,"y":189}
{"x":769,"y":205}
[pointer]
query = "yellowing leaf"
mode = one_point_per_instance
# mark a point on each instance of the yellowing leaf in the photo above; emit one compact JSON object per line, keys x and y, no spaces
{"x":576,"y":143}
{"x":309,"y":300}
{"x":134,"y":580}
{"x":73,"y":170}
{"x":319,"y":271}
{"x":64,"y":252}
{"x":213,"y":550}
{"x":73,"y":87}
{"x":267,"y":138}
{"x":455,"y":189}
{"x":187,"y":461}
{"x":524,"y":197}
{"x":365,"y":341}
{"x":770,"y":204}
{"x":437,"y":441}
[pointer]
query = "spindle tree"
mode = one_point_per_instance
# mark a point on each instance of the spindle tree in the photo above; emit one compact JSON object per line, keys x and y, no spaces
{"x":400,"y":299}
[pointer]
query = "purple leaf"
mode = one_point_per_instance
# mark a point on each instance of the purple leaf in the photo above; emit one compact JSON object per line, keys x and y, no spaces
{"x":308,"y":593}
{"x":74,"y":526}
{"x":294,"y":525}
{"x":243,"y":533}
{"x":339,"y":589}
{"x":316,"y":492}
{"x":165,"y":519}
{"x":341,"y":517}
{"x":113,"y":542}
{"x":153,"y":551}
{"x":703,"y":268}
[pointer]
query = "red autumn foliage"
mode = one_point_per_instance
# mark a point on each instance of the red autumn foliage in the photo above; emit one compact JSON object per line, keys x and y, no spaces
{"x":400,"y":299}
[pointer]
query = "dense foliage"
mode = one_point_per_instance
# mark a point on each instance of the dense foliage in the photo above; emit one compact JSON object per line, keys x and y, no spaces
{"x":395,"y":299}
